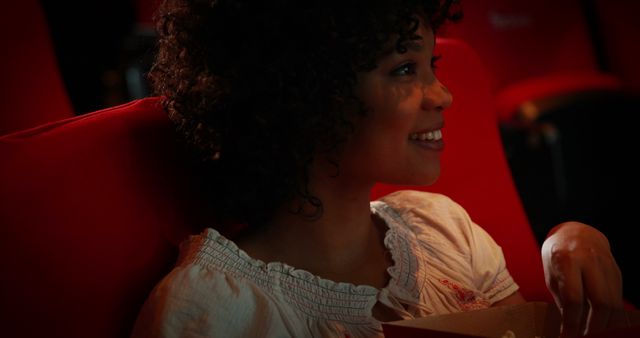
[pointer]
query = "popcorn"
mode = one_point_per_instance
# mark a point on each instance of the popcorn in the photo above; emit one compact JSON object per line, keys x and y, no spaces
{"x":509,"y":334}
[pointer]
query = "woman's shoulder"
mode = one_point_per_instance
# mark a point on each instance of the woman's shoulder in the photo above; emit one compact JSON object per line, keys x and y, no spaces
{"x":208,"y":264}
{"x":217,"y":287}
{"x":202,"y":296}
{"x":217,"y":255}
{"x":206,"y":303}
{"x":207,"y":249}
{"x":432,"y":218}
{"x":426,"y":204}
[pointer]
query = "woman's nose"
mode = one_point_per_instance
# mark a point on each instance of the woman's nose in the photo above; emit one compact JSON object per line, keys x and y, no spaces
{"x":436,"y":96}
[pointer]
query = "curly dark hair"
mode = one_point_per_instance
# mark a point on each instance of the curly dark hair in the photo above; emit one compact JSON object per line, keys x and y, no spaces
{"x":259,"y":88}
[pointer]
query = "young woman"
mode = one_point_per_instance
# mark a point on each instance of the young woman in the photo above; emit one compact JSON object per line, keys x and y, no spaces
{"x":297,"y":109}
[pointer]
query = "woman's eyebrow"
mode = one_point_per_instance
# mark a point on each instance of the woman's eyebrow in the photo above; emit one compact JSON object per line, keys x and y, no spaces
{"x":413,"y":45}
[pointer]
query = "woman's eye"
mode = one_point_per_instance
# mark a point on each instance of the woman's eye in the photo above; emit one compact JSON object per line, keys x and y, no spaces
{"x":405,"y":69}
{"x":410,"y":68}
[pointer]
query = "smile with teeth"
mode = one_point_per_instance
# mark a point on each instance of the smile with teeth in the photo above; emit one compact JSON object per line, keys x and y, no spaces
{"x":435,"y":135}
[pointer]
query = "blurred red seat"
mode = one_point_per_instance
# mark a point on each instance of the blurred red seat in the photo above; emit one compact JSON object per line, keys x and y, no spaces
{"x":32,"y":91}
{"x":535,"y":49}
{"x":619,"y":30}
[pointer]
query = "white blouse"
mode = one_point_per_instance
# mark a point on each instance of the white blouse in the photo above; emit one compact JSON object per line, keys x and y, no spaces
{"x":442,"y":263}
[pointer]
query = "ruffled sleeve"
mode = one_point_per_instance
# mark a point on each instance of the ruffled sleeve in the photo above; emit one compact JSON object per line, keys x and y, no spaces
{"x":464,"y":267}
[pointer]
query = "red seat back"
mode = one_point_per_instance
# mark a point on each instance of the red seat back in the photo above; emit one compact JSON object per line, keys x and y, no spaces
{"x":31,"y":87}
{"x":619,"y":29}
{"x":523,"y":39}
{"x":536,"y":49}
{"x":92,"y":209}
{"x":475,"y":172}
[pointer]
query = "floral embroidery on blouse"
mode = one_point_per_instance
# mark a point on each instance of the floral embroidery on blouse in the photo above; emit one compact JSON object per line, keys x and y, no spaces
{"x":465,"y":297}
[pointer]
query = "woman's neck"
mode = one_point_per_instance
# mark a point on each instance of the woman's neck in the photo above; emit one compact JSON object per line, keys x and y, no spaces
{"x":344,"y":244}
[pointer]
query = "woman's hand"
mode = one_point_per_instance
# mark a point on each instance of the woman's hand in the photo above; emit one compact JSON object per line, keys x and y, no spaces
{"x":583,"y":277}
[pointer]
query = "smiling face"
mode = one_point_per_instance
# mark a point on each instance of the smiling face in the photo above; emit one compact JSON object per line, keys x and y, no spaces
{"x":399,"y":141}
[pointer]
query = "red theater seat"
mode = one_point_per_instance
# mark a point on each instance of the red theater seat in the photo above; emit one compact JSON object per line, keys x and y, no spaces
{"x":619,"y":30}
{"x":91,"y":211}
{"x":535,"y":49}
{"x":515,"y":98}
{"x":31,"y":87}
{"x":522,"y":39}
{"x":92,"y":208}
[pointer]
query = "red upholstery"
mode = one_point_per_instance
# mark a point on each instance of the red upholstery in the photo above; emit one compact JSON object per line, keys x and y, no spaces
{"x":620,"y":31}
{"x":535,"y":49}
{"x":475,"y":172}
{"x":522,"y":39}
{"x":92,"y":208}
{"x":511,"y":97}
{"x":29,"y":70}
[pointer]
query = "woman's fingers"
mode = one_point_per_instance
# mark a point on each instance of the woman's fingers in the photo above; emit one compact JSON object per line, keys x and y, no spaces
{"x":603,"y":288}
{"x":583,"y":276}
{"x":564,"y":279}
{"x":573,"y":319}
{"x":598,"y":294}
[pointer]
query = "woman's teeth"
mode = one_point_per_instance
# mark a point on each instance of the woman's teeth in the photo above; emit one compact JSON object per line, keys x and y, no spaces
{"x":428,"y":136}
